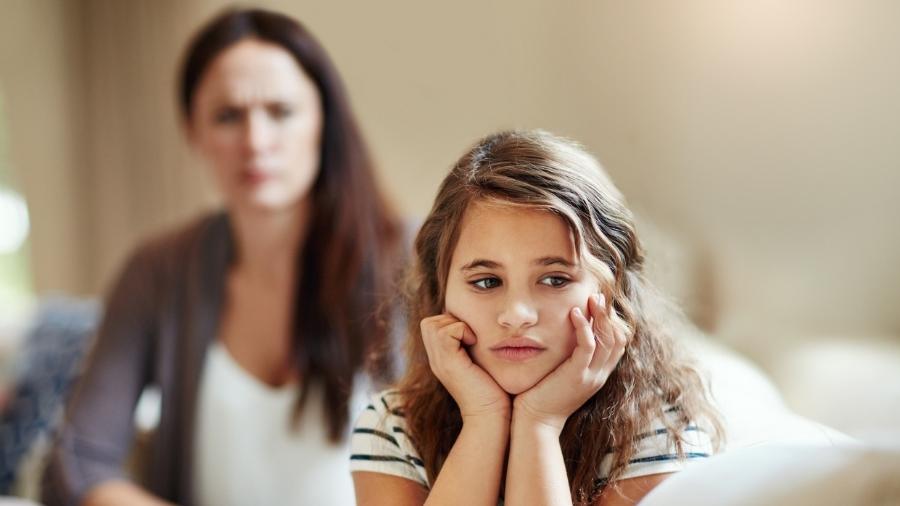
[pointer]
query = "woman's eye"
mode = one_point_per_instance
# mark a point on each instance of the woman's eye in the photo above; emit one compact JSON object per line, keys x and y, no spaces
{"x":555,"y":281}
{"x":228,"y":115}
{"x":281,"y":111}
{"x":486,"y":283}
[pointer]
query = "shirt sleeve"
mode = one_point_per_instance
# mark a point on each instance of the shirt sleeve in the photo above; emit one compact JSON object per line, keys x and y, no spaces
{"x":98,"y":429}
{"x":656,"y":452}
{"x":380,"y":443}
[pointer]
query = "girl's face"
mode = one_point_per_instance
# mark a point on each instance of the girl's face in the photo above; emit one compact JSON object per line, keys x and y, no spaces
{"x":514,"y":278}
{"x":257,"y":120}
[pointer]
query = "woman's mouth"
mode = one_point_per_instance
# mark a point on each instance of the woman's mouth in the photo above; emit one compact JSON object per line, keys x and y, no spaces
{"x":254,"y":177}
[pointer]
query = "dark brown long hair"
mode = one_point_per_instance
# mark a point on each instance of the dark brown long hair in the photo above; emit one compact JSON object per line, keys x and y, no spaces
{"x":540,"y":171}
{"x":347,"y":263}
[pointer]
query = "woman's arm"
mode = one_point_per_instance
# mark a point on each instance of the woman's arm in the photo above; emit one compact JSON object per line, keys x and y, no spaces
{"x":98,"y":430}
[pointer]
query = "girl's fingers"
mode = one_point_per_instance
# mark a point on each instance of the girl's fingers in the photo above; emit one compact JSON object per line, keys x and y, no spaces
{"x":435,"y":338}
{"x":600,"y":330}
{"x":444,"y":335}
{"x":609,"y":335}
{"x":460,"y":332}
{"x":435,"y":323}
{"x":599,"y":314}
{"x":585,"y":345}
{"x":448,"y":325}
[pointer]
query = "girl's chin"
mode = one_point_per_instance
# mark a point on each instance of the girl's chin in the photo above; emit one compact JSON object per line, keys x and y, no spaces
{"x":516,"y":386}
{"x":518,"y":378}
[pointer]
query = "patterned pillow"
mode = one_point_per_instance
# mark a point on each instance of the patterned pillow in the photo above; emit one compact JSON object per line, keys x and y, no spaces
{"x":49,"y":364}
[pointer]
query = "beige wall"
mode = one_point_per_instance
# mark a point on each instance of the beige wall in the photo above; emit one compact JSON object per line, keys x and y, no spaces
{"x":760,"y":134}
{"x":40,"y":76}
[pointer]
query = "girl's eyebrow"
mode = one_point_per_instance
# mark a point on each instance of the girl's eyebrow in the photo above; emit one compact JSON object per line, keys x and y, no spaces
{"x":480,"y":263}
{"x":554,"y":260}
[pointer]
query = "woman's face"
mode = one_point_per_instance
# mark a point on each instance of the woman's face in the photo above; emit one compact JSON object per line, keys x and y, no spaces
{"x":257,"y":120}
{"x":514,"y":278}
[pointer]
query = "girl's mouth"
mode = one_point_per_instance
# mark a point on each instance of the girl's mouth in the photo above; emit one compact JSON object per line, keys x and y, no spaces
{"x":516,"y":353}
{"x":518,"y":348}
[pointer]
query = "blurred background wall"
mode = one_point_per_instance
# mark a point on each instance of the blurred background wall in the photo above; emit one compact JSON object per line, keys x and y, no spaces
{"x":757,"y":138}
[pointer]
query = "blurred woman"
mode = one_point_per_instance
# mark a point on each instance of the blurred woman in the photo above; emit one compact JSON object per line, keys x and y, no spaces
{"x":261,"y":323}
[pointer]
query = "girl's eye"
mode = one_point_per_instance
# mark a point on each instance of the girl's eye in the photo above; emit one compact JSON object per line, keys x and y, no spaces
{"x":555,"y":281}
{"x":485,"y":283}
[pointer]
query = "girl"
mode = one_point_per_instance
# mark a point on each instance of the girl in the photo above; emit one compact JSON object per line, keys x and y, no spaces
{"x":541,"y":365}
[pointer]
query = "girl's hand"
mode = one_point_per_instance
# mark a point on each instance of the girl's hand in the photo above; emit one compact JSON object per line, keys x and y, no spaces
{"x":597,"y":351}
{"x":474,"y":391}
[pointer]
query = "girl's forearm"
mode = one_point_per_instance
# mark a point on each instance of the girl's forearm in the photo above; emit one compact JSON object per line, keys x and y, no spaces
{"x":474,"y":467}
{"x":536,"y":471}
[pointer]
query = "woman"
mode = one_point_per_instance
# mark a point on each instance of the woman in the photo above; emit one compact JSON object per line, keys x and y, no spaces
{"x":542,"y":368}
{"x":259,"y":323}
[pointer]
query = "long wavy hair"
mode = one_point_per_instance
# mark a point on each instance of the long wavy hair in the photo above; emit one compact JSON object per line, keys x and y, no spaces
{"x":348,"y":263}
{"x":541,"y":171}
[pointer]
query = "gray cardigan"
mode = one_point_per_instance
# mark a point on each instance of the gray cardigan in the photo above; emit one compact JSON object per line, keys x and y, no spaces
{"x":161,"y":315}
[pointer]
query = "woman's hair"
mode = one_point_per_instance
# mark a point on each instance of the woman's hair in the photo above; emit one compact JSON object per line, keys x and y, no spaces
{"x":351,"y":253}
{"x":540,"y":171}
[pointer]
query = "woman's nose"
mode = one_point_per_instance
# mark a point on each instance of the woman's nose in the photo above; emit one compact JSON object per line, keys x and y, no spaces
{"x":257,"y":131}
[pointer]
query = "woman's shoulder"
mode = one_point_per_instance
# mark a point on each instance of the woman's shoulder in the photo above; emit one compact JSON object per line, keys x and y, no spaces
{"x":171,"y":247}
{"x":381,"y":442}
{"x":171,"y":258}
{"x":181,"y":238}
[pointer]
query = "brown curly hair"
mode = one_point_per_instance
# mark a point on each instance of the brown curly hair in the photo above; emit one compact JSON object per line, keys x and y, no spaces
{"x":542,"y":171}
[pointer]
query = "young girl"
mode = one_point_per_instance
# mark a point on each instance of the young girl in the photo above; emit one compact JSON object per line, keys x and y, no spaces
{"x":542,"y":368}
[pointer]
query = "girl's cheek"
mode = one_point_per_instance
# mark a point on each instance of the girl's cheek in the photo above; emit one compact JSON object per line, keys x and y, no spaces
{"x":455,"y":300}
{"x":474,"y":313}
{"x":460,"y":308}
{"x":580,"y":299}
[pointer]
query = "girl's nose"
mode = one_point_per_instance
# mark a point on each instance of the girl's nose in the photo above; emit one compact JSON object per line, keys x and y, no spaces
{"x":519,"y":312}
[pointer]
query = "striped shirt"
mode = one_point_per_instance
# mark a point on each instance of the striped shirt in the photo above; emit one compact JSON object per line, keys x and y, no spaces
{"x":381,"y":444}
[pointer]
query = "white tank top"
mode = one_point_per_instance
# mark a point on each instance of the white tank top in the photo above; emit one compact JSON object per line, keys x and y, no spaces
{"x":246,"y":453}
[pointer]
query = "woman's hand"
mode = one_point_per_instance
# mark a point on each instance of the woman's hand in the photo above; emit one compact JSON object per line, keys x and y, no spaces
{"x":474,"y":391}
{"x":597,"y":351}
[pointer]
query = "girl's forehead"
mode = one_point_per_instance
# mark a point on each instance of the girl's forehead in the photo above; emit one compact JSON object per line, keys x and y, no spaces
{"x":512,"y":233}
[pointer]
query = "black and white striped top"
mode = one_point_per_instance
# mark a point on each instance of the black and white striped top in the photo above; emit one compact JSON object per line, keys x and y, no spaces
{"x":380,"y":444}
